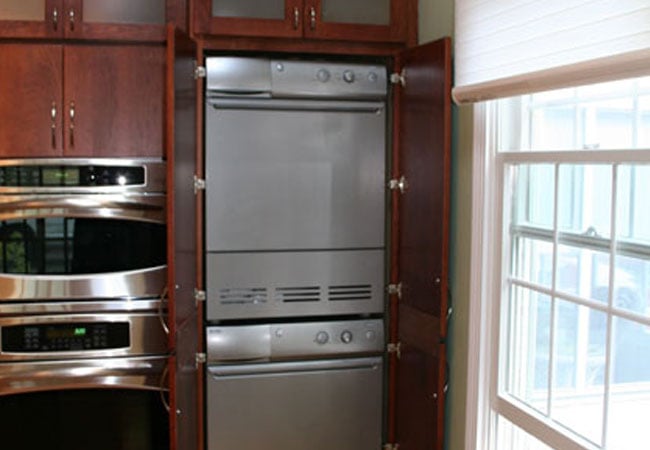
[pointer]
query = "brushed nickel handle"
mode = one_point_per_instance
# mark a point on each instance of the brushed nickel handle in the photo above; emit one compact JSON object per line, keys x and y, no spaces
{"x":312,"y":18}
{"x":296,"y":18}
{"x":55,"y":18}
{"x":72,"y":114}
{"x":71,"y":14}
{"x":53,"y":126}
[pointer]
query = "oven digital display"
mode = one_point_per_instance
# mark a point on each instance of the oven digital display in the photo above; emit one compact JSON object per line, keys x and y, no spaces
{"x":60,"y":176}
{"x":65,"y":337}
{"x":71,"y":176}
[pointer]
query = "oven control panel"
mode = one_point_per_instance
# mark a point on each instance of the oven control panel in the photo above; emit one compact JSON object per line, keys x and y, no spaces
{"x":65,"y":337}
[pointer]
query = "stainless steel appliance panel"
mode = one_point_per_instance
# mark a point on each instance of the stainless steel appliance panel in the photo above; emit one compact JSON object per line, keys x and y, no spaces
{"x":306,"y":405}
{"x":291,"y":284}
{"x":277,"y":342}
{"x":287,"y":175}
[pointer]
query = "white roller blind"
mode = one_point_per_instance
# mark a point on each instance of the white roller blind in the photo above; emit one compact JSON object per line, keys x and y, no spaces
{"x":511,"y":47}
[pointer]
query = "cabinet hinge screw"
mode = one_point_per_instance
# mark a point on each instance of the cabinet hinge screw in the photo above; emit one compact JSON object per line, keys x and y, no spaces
{"x":395,"y":289}
{"x":398,"y":78}
{"x":199,"y":184}
{"x":395,"y":348}
{"x":400,"y":184}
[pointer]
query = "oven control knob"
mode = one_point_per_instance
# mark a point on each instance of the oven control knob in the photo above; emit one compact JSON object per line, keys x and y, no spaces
{"x":348,"y":76}
{"x":323,"y":75}
{"x":346,"y":337}
{"x":322,"y":337}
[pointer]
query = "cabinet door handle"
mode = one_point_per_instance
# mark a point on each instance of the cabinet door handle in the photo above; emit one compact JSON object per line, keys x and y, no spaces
{"x":312,"y":18}
{"x":72,"y":113}
{"x":72,"y":18}
{"x":53,"y":126}
{"x":55,"y":18}
{"x":296,"y":18}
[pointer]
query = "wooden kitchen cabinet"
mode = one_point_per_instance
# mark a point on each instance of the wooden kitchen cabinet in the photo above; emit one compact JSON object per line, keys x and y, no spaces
{"x":76,"y":100}
{"x":350,"y":20}
{"x":136,"y":20}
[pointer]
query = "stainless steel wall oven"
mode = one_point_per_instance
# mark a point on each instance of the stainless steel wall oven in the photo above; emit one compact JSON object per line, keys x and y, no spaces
{"x":83,"y":338}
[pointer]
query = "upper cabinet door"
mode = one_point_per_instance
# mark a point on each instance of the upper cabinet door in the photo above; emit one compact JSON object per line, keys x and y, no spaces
{"x":30,"y":100}
{"x":113,"y":100}
{"x":140,"y":20}
{"x":31,"y":18}
{"x":423,"y":110}
{"x":356,"y":20}
{"x":276,"y":18}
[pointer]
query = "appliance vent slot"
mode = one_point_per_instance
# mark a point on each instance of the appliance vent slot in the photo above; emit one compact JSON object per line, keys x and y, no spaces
{"x":351,"y":292}
{"x":242,"y":296}
{"x":297,"y":294}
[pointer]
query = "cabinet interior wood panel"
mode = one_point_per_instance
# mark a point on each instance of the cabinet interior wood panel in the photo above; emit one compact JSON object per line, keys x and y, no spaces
{"x":30,"y":90}
{"x":114,"y":100}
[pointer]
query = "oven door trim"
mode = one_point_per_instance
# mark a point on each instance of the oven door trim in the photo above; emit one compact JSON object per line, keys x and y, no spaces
{"x":147,"y":372}
{"x":144,"y":208}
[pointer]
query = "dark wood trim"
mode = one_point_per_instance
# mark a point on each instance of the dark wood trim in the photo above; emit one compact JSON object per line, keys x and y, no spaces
{"x":299,"y":46}
{"x":411,"y":22}
{"x":177,"y":13}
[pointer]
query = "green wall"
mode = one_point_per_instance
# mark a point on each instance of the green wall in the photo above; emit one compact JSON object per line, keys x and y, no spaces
{"x":436,"y":19}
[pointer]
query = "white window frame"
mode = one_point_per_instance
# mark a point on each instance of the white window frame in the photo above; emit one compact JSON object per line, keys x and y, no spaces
{"x":487,"y":285}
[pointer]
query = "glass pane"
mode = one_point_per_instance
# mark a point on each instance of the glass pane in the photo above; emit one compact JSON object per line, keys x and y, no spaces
{"x":583,"y":272}
{"x":511,"y":437}
{"x":578,"y":370}
{"x":533,"y":261}
{"x":584,"y":204}
{"x":372,"y":12}
{"x":251,"y":9}
{"x":529,"y":347}
{"x":124,"y":11}
{"x":632,"y":284}
{"x":553,"y":128}
{"x":533,"y":199}
{"x":644,"y":122}
{"x":629,"y":401}
{"x":608,"y":124}
{"x":633,"y":213}
{"x":22,"y":10}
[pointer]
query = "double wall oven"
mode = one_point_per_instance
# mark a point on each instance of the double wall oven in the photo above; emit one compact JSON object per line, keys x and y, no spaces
{"x":83,"y":342}
{"x":295,"y":254}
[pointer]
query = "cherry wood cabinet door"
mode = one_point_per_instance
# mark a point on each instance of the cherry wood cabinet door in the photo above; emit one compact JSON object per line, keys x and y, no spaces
{"x":423,"y":110}
{"x":31,"y":18}
{"x":30,"y":100}
{"x":183,"y":108}
{"x":357,"y":20}
{"x":113,"y":100}
{"x":272,"y":18}
{"x":126,"y":20}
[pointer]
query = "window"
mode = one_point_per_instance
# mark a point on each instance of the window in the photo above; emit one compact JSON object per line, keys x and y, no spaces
{"x":569,"y":179}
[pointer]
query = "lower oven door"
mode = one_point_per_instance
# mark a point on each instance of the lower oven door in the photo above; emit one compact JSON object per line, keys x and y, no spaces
{"x":307,"y":405}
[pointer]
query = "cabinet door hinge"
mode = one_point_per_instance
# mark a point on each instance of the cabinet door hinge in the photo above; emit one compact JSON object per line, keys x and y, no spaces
{"x":395,"y":348}
{"x":391,"y":447}
{"x":199,"y":71}
{"x":200,"y":358}
{"x":199,"y":184}
{"x":398,"y":78}
{"x":400,"y":184}
{"x":199,"y":296}
{"x":395,"y":289}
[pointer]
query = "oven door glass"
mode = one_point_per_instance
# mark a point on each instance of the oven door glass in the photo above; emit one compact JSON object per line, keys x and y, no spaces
{"x":65,"y":246}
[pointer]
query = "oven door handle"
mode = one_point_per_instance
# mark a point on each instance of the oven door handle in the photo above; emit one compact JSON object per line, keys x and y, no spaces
{"x":261,"y":104}
{"x":149,"y":208}
{"x":282,"y":368}
{"x":133,"y":372}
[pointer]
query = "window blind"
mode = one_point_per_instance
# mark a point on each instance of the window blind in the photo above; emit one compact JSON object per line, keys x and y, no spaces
{"x":512,"y":47}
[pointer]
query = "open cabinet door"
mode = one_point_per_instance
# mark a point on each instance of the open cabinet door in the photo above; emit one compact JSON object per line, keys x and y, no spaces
{"x":420,"y":239}
{"x":185,"y":374}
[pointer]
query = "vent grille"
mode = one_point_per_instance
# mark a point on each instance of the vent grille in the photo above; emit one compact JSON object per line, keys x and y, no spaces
{"x":243,"y":296}
{"x":350,"y":292}
{"x":297,"y":294}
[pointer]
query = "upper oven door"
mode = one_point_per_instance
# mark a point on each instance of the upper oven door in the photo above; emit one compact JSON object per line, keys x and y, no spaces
{"x":78,"y":246}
